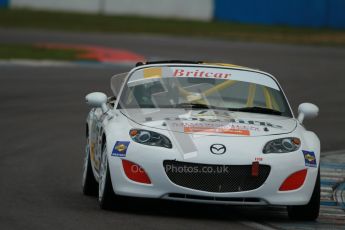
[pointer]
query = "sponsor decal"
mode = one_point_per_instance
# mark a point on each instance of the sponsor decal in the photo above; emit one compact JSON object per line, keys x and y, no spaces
{"x":120,"y":148}
{"x":237,"y":121}
{"x":309,"y":158}
{"x":221,"y":126}
{"x":92,"y":151}
{"x":215,"y":128}
{"x":223,"y":130}
{"x":153,"y":72}
{"x":92,"y":155}
{"x":205,"y":73}
{"x":258,"y":159}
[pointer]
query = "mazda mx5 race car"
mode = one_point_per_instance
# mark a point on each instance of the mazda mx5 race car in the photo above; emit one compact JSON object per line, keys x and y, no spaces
{"x":199,"y":132}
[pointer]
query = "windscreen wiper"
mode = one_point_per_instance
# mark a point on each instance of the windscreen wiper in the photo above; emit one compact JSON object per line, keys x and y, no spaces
{"x":192,"y":105}
{"x":256,"y":109}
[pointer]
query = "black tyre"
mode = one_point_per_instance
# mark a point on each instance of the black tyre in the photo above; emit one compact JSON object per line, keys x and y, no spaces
{"x":89,"y":183}
{"x":106,"y":195}
{"x":310,"y":211}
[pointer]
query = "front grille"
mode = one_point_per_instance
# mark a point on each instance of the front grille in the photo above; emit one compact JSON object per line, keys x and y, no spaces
{"x":215,"y":178}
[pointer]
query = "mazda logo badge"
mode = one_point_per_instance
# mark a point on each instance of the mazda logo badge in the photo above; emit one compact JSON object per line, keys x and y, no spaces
{"x":218,"y":149}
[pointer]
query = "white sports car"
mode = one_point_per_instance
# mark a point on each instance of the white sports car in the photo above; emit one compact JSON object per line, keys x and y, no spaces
{"x":200,"y":132}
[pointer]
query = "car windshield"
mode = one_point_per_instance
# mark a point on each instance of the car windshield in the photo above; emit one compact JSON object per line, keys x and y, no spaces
{"x":204,"y":88}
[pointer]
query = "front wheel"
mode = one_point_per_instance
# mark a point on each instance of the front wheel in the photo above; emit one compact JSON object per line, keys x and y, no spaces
{"x":106,"y":195}
{"x":309,"y":211}
{"x":89,"y":183}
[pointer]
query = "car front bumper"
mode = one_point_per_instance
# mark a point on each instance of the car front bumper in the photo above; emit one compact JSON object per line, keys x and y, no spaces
{"x":161,"y":187}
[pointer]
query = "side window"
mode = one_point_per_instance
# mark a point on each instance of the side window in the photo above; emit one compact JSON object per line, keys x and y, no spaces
{"x":142,"y":95}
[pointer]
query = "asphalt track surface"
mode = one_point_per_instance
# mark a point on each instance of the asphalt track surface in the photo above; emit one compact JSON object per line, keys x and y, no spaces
{"x":42,"y":129}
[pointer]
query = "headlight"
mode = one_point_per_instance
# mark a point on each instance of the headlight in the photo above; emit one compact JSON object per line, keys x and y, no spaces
{"x":283,"y":145}
{"x":146,"y":137}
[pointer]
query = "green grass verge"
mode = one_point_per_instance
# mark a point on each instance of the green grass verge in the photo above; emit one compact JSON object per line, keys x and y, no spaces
{"x":11,"y":51}
{"x":116,"y":24}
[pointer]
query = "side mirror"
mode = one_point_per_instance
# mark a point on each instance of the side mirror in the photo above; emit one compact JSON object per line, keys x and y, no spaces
{"x":307,"y":110}
{"x":97,"y":99}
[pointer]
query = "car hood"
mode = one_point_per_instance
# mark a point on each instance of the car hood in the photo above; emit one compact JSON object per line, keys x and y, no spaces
{"x":212,"y":122}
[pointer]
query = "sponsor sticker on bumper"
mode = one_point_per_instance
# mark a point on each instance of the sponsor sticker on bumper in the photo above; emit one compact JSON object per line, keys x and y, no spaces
{"x":120,"y":148}
{"x":309,"y":158}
